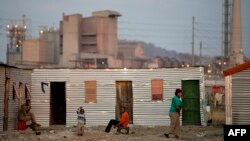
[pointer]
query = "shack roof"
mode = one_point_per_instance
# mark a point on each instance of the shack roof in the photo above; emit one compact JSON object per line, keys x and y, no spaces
{"x":237,"y":69}
{"x":6,"y":65}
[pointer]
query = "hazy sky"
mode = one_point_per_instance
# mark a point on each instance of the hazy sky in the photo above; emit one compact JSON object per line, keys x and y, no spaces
{"x":165,"y":23}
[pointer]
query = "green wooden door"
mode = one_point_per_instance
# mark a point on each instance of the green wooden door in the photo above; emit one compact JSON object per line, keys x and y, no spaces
{"x":191,"y":102}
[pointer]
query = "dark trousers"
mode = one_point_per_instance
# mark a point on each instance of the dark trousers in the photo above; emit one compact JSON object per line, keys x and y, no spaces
{"x":111,"y":122}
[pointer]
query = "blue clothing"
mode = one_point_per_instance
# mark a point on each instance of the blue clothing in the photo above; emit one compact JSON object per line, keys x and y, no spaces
{"x":176,"y":101}
{"x":81,"y":118}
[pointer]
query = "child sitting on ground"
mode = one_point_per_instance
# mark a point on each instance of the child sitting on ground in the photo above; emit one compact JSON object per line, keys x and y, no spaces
{"x":81,"y":119}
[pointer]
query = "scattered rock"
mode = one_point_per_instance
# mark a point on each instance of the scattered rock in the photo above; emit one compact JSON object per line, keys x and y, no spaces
{"x":137,"y":134}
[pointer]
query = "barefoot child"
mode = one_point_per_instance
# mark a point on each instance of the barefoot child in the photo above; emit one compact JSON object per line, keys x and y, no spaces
{"x":81,"y":119}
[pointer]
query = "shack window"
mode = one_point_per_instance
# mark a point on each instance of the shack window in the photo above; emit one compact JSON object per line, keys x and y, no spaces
{"x":90,"y":91}
{"x":157,"y":89}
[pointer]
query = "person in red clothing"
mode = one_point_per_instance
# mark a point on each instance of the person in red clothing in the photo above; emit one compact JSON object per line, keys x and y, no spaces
{"x":25,"y":114}
{"x":123,"y":122}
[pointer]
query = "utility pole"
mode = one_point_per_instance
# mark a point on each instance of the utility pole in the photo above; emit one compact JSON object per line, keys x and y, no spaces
{"x":200,"y":53}
{"x":193,"y":43}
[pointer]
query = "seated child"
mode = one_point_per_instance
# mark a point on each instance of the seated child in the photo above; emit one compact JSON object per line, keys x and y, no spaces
{"x":81,"y":119}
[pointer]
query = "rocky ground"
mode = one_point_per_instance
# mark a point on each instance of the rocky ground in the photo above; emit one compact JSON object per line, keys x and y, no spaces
{"x":136,"y":133}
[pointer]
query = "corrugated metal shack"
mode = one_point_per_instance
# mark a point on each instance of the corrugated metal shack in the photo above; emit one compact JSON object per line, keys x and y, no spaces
{"x":237,"y":94}
{"x":147,"y":93}
{"x":14,"y":86}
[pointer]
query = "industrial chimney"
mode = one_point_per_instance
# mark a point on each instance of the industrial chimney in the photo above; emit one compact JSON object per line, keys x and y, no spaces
{"x":236,"y":52}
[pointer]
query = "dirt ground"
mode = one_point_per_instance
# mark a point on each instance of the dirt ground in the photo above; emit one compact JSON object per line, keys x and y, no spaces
{"x":136,"y":133}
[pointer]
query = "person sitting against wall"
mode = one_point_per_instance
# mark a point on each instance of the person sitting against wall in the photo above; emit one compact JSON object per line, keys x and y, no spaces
{"x":119,"y":124}
{"x":25,"y":115}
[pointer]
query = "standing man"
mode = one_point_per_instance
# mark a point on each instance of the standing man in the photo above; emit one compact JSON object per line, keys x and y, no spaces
{"x":174,"y":114}
{"x":123,"y":122}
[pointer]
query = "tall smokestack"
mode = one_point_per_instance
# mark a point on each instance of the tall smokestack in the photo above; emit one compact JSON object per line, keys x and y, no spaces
{"x":236,"y":52}
{"x":226,"y":29}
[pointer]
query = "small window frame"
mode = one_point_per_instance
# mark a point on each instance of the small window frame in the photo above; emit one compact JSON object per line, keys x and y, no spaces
{"x":157,"y":89}
{"x":90,"y":91}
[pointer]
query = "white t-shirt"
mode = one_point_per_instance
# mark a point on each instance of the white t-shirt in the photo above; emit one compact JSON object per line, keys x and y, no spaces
{"x":81,"y":118}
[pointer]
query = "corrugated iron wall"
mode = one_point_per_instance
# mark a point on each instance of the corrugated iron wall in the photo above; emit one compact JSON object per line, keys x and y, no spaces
{"x":16,"y":75}
{"x":241,"y":97}
{"x":228,"y":99}
{"x":2,"y":91}
{"x":145,"y":111}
